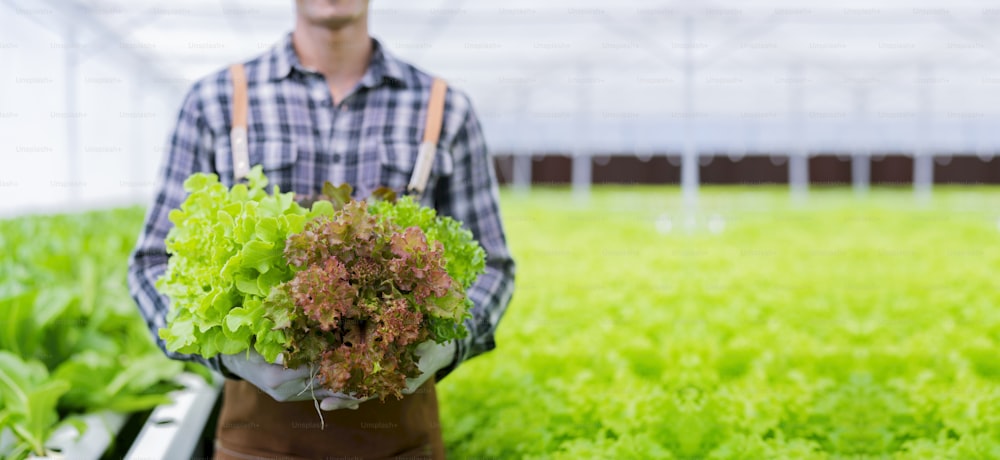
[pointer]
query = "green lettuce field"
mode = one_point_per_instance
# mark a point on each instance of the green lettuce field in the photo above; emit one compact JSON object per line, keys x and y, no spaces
{"x":843,"y":328}
{"x":756,"y":329}
{"x":71,"y":340}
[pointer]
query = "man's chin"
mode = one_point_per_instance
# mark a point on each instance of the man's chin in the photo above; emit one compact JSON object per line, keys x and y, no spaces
{"x":330,"y":15}
{"x":334,"y":22}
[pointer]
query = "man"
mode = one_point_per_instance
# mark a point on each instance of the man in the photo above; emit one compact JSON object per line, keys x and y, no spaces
{"x":329,"y":103}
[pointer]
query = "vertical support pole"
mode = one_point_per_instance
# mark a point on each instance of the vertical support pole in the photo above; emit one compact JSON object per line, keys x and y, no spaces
{"x":798,"y":175}
{"x":581,"y":175}
{"x":522,"y":172}
{"x":923,"y":157}
{"x":73,"y":173}
{"x":137,"y":151}
{"x":861,"y":172}
{"x":861,"y":160}
{"x":923,"y":174}
{"x":522,"y":154}
{"x":581,"y":153}
{"x":689,"y":156}
{"x":798,"y":158}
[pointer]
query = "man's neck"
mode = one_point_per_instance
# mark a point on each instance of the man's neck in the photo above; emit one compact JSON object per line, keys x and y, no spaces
{"x":341,"y":55}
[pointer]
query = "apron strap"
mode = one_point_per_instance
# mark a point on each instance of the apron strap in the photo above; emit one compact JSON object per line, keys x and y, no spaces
{"x":432,"y":132}
{"x":238,"y":132}
{"x":425,"y":157}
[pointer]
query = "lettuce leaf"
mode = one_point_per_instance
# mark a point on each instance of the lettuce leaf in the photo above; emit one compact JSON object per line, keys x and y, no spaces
{"x":226,"y":250}
{"x":349,"y":286}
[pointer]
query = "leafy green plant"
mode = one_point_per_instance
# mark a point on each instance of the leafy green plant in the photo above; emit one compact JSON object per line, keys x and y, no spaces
{"x":363,"y":298}
{"x":29,"y":401}
{"x":72,"y":340}
{"x":464,"y":258}
{"x":226,"y":255}
{"x":349,"y":287}
{"x":847,"y":328}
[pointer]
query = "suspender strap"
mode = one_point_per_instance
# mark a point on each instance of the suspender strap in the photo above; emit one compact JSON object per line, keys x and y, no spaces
{"x":425,"y":157}
{"x":238,"y":133}
{"x":432,"y":132}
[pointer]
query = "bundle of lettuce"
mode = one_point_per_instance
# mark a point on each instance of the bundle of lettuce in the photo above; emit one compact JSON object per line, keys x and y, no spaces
{"x":349,"y":288}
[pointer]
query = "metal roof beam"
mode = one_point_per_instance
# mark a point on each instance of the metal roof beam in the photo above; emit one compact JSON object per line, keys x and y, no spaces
{"x":73,"y":12}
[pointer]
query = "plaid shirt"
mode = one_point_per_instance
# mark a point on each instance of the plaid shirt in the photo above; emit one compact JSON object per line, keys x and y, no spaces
{"x":303,"y":139}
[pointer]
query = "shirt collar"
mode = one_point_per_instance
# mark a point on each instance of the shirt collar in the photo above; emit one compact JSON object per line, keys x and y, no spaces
{"x":383,"y":66}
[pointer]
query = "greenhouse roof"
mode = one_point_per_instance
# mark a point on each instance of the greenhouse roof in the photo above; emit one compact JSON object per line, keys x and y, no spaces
{"x":602,"y":76}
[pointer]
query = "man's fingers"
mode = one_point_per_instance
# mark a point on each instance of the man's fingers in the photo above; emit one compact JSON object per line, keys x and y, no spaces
{"x":341,"y":401}
{"x":307,"y":396}
{"x":274,"y":376}
{"x":425,"y":347}
{"x":338,"y":402}
{"x":299,"y":390}
{"x":411,"y":386}
{"x":299,"y":373}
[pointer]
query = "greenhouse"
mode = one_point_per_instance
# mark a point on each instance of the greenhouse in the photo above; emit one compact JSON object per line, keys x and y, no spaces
{"x":677,"y":230}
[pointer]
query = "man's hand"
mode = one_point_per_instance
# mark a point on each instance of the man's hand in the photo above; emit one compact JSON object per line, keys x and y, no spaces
{"x":283,"y":384}
{"x":433,"y":357}
{"x":341,"y":401}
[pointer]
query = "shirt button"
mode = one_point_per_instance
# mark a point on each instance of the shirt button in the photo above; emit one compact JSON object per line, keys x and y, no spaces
{"x":336,"y":158}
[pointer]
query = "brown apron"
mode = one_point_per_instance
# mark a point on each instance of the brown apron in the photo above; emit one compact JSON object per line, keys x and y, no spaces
{"x":252,"y":425}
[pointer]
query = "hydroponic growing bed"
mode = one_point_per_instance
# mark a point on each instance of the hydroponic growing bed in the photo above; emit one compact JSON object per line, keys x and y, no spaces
{"x":75,"y":357}
{"x":843,"y":328}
